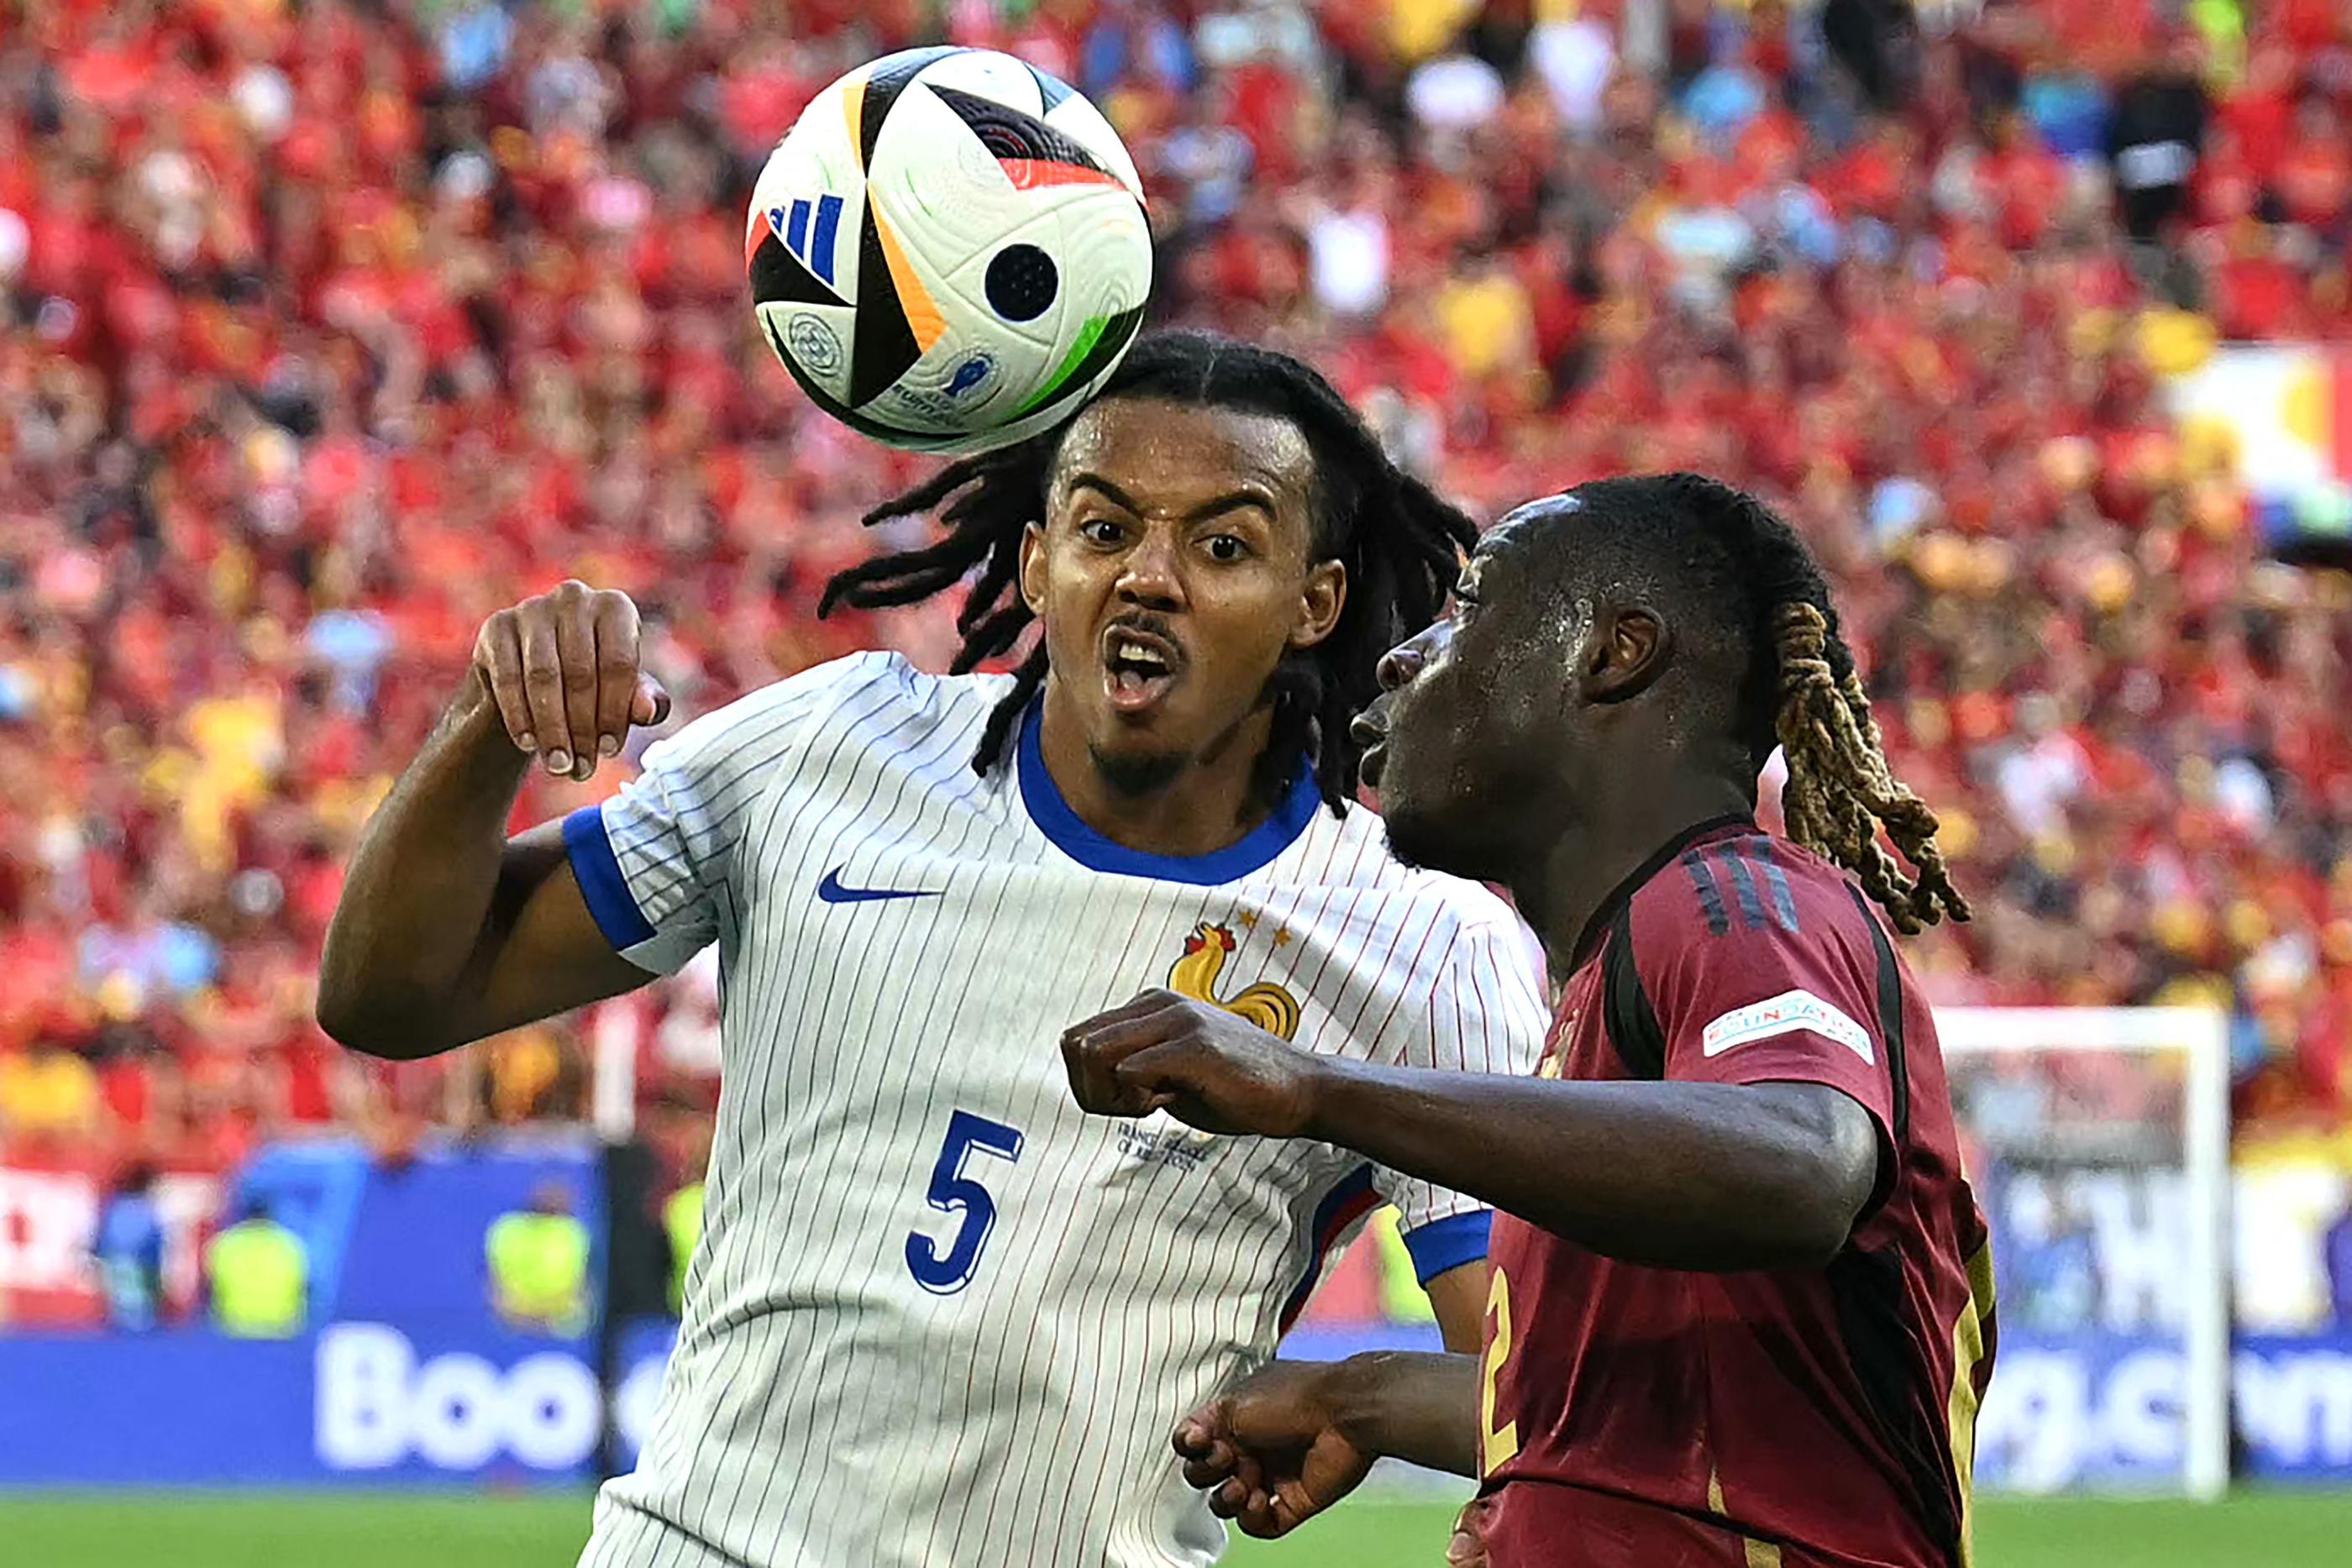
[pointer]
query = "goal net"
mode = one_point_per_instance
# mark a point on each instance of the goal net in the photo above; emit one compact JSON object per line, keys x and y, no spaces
{"x":2097,"y":1140}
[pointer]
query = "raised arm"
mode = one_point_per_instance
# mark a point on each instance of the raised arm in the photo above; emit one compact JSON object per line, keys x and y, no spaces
{"x":447,"y":930}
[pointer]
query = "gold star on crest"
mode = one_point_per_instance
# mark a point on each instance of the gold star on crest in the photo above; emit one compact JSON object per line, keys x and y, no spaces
{"x":1282,"y":937}
{"x":1248,"y":919}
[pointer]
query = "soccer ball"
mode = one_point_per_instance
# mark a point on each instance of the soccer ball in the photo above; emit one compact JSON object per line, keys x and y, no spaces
{"x":948,"y":251}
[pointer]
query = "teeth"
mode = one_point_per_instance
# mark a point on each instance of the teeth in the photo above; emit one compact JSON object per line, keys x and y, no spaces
{"x":1127,"y":653}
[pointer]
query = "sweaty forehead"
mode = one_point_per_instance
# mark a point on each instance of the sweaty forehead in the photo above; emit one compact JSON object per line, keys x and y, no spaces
{"x":1521,"y":556}
{"x":1177,"y":455}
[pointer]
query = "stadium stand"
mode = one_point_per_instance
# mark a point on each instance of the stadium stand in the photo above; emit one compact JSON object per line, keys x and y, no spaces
{"x":328,"y":329}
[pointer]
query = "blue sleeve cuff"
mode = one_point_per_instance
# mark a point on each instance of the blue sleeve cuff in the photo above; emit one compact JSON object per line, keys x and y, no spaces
{"x":601,"y":883}
{"x":1446,"y":1244}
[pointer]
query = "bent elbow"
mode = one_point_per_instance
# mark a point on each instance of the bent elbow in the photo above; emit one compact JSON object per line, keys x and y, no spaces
{"x":353,"y":1028}
{"x":371,"y":1028}
{"x":1813,"y":1241}
{"x":1817,"y":1220}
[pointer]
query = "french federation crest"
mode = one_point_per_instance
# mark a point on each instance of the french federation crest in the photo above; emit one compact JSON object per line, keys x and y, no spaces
{"x":1160,"y":1138}
{"x":1264,"y":1004}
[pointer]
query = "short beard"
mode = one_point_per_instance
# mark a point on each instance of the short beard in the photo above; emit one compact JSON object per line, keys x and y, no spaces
{"x":1416,"y":841}
{"x":1411,"y":847}
{"x":1137,"y":774}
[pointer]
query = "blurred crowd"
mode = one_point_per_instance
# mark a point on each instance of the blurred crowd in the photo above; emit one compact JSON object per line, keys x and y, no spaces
{"x":326,"y":327}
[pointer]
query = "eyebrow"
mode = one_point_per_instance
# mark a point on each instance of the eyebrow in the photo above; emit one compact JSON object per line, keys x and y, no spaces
{"x":1233,"y":500}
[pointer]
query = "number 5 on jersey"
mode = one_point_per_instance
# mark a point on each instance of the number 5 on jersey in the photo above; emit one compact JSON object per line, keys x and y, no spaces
{"x":944,"y":1271}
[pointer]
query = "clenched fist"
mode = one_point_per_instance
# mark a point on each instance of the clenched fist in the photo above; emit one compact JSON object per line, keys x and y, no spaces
{"x":1200,"y":1063}
{"x":563,"y":668}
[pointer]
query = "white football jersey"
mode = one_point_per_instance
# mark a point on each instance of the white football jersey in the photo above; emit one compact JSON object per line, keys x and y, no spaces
{"x":939,"y":1315}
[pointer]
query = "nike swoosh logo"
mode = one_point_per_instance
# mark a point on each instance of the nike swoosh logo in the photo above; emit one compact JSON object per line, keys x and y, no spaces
{"x":831,"y":892}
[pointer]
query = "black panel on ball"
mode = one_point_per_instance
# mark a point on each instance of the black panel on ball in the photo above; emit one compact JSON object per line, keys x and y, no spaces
{"x":1021,"y":281}
{"x":884,"y":346}
{"x":1007,"y":133}
{"x":884,"y":83}
{"x":888,"y":435}
{"x":778,"y":277}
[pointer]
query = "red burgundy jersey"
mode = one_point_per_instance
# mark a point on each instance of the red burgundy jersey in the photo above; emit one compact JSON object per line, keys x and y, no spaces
{"x":1634,"y":1417}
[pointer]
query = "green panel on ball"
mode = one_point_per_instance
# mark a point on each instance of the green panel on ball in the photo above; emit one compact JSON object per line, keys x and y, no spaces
{"x":1099,"y":342}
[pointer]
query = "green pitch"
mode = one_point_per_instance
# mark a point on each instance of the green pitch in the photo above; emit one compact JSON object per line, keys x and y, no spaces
{"x":377,"y":1531}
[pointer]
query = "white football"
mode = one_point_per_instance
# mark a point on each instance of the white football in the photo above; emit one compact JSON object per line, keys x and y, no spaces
{"x":948,"y":251}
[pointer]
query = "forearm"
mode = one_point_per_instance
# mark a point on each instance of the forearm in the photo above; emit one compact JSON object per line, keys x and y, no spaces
{"x":1684,"y":1176}
{"x":419,"y":896}
{"x":1420,"y":1408}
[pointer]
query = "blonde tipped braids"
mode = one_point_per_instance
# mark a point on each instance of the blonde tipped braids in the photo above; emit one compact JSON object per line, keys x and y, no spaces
{"x":1840,"y":792}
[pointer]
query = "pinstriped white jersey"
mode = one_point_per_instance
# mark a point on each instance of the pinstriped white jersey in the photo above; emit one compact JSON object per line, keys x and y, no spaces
{"x":939,"y":1315}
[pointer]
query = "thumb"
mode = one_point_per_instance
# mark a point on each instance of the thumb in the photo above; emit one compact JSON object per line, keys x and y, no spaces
{"x":650,"y":704}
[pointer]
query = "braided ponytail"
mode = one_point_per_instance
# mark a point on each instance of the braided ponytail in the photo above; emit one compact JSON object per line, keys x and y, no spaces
{"x":1840,"y":791}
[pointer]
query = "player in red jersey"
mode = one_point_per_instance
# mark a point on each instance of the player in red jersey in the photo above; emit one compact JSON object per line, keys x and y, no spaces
{"x":1742,"y":1312}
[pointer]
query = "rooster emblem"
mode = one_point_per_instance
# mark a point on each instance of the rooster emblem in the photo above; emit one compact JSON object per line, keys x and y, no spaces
{"x":1195,"y":974}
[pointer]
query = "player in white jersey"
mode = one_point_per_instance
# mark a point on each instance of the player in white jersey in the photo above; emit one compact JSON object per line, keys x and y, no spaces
{"x":938,"y":1315}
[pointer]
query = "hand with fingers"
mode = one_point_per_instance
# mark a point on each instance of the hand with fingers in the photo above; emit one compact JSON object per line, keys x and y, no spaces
{"x":563,"y":669}
{"x":1467,"y":1547}
{"x":1204,"y":1066}
{"x":1272,"y":1454}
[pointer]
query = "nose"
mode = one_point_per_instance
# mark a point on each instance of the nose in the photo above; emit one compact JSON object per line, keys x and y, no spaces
{"x":1149,"y":574}
{"x":1403,"y":663}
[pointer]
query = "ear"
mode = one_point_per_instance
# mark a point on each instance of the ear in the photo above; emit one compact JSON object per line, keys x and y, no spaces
{"x":1033,"y":570}
{"x":1319,"y":604}
{"x":1629,"y":649}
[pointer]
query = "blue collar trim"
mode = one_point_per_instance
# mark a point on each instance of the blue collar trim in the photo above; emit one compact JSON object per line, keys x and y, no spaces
{"x":1090,"y":848}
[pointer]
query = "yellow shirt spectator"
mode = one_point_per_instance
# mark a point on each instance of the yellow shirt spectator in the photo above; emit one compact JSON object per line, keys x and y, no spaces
{"x":48,"y":1092}
{"x":1419,"y":28}
{"x":1487,"y":322}
{"x":240,"y":744}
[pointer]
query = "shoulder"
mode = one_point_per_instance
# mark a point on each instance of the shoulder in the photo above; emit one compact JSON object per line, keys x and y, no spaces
{"x":1740,"y":892}
{"x":1749,"y":935}
{"x":875,"y":692}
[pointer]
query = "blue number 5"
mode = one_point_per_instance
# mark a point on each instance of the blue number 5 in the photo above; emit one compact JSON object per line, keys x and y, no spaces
{"x":945,"y":1273}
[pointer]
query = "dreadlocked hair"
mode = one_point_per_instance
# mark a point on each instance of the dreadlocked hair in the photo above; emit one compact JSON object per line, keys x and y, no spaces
{"x":1399,"y":542}
{"x":1803,"y":691}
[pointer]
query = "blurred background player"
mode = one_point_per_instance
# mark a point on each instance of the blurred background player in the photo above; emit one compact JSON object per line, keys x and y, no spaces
{"x":537,"y":1261}
{"x":258,"y":1275}
{"x":1742,"y":1296}
{"x":129,"y":1252}
{"x":937,"y":1314}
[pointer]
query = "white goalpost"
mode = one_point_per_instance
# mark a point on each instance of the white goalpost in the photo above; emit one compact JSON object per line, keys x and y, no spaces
{"x":2099,"y":1143}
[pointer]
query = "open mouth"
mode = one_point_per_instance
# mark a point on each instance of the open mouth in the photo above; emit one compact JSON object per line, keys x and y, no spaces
{"x":1371,"y":734}
{"x":1140,"y":667}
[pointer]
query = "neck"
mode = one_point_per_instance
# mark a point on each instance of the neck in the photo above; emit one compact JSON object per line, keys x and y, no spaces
{"x":1207,"y":806}
{"x":1635,"y":813}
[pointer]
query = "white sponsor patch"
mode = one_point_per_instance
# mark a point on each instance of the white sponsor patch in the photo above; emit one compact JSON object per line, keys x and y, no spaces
{"x":1785,"y":1014}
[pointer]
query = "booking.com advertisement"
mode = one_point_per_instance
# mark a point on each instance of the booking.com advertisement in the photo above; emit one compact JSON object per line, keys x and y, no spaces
{"x":443,"y":1324}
